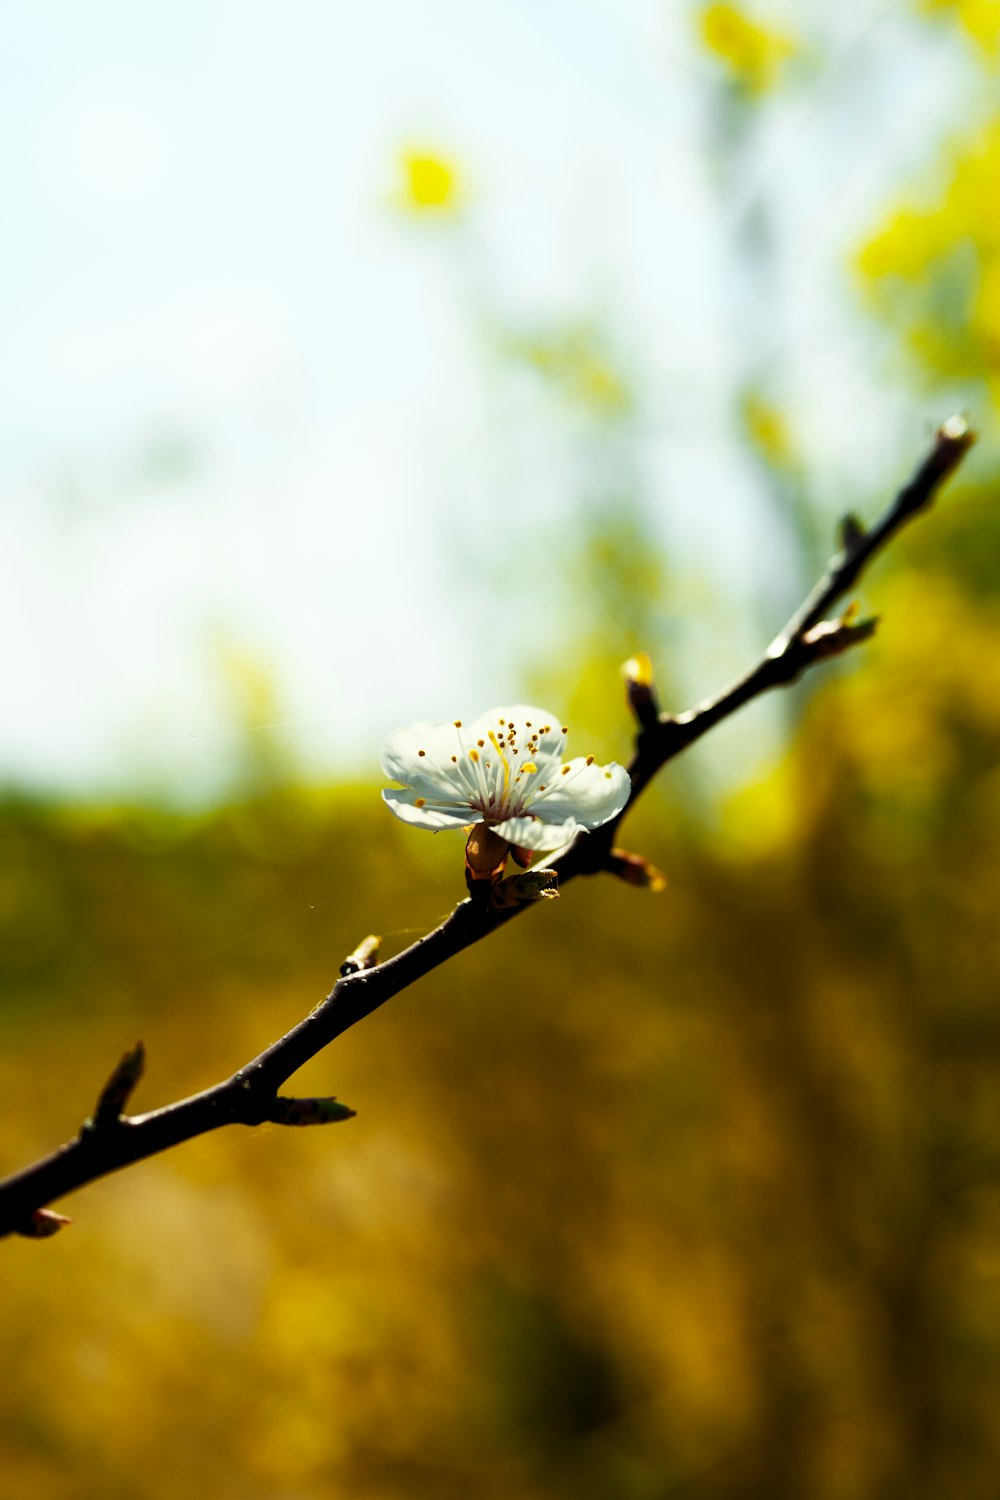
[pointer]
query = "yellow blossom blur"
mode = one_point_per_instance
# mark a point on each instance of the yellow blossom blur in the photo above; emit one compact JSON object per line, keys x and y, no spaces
{"x":430,"y":182}
{"x":980,"y":18}
{"x":753,"y":54}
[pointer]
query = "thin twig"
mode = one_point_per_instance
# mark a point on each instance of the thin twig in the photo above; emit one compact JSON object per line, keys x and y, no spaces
{"x":801,"y":644}
{"x":111,"y":1140}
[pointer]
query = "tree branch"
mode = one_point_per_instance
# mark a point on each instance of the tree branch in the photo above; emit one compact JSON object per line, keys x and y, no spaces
{"x":110,"y":1140}
{"x":807,"y":638}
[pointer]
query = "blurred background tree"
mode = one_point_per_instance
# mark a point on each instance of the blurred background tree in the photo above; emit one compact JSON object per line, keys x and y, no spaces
{"x":697,"y":1196}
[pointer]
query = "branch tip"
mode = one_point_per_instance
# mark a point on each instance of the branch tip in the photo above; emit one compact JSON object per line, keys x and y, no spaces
{"x":958,"y":433}
{"x":851,"y":533}
{"x":119,"y":1087}
{"x":952,"y":441}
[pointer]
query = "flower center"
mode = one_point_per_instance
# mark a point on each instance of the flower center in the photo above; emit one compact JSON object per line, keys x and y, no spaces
{"x":499,"y":781}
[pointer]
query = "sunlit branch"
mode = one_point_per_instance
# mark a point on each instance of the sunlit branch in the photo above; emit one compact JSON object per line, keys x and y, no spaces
{"x":110,"y":1140}
{"x":807,"y":638}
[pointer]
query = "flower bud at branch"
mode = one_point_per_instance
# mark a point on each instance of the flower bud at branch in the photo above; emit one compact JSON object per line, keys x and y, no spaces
{"x":365,"y":956}
{"x":44,"y":1223}
{"x":635,"y":870}
{"x":533,"y":885}
{"x":831,"y":637}
{"x":640,"y":690}
{"x":485,"y":854}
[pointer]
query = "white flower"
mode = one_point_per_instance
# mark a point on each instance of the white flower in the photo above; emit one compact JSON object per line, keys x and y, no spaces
{"x":505,"y":769}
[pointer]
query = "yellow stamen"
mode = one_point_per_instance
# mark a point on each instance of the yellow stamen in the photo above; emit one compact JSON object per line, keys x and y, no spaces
{"x":498,"y":747}
{"x":419,"y":801}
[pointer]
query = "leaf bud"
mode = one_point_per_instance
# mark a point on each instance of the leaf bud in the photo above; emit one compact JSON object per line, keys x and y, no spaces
{"x":43,"y":1223}
{"x":640,"y":690}
{"x":365,"y":956}
{"x":634,"y":869}
{"x":329,"y":1111}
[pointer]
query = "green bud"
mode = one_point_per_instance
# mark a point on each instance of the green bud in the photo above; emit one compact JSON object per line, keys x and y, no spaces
{"x":533,"y":885}
{"x":329,"y":1111}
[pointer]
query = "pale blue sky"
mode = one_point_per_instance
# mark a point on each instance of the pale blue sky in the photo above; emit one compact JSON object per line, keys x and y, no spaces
{"x":248,"y":406}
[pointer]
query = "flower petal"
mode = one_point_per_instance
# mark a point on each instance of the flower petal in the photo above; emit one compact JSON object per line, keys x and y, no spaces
{"x":533,"y":833}
{"x":528,"y":720}
{"x":590,"y":794}
{"x":434,"y":816}
{"x":506,"y":760}
{"x":400,"y":755}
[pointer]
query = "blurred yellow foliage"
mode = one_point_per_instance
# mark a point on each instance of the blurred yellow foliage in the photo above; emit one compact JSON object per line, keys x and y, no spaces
{"x":753,"y":54}
{"x":905,"y":244}
{"x":769,"y":430}
{"x":573,"y":359}
{"x":980,"y":18}
{"x":935,"y":270}
{"x":987,"y":308}
{"x":939,"y":647}
{"x":430,"y":182}
{"x":969,"y":209}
